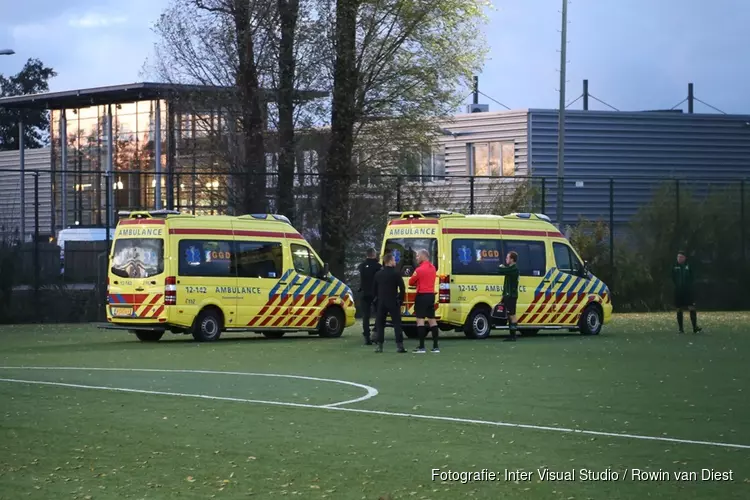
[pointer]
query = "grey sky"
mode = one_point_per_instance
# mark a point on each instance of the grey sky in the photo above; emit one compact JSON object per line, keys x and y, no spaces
{"x":637,"y":54}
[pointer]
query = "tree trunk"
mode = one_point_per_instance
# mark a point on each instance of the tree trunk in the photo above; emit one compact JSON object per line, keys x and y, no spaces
{"x":288,"y":14}
{"x":336,"y":184}
{"x":253,"y":168}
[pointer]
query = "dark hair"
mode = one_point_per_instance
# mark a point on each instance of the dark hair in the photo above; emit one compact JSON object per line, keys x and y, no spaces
{"x":371,"y":253}
{"x":513,"y":255}
{"x":388,"y":258}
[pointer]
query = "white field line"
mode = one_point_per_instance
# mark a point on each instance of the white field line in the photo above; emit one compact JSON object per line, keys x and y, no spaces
{"x":371,"y":391}
{"x":385,"y":413}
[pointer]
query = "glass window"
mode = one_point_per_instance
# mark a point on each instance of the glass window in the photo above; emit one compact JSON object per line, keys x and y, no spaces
{"x":305,"y":262}
{"x":256,"y":259}
{"x":532,"y":257}
{"x":206,"y":258}
{"x":495,"y":159}
{"x":476,"y":257}
{"x":563,"y":257}
{"x":405,"y":250}
{"x":138,"y":257}
{"x":481,"y":159}
{"x":509,"y":159}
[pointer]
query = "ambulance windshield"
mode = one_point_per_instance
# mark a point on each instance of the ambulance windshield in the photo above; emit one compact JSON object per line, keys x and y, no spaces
{"x":138,"y":257}
{"x":405,"y":250}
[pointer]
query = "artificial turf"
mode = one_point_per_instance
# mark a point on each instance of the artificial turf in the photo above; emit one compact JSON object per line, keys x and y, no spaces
{"x":639,"y":377}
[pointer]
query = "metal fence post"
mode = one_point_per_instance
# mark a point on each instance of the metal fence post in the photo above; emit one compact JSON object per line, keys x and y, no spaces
{"x":612,"y":227}
{"x":742,"y":220}
{"x":398,"y":193}
{"x":108,"y":203}
{"x":36,"y":236}
{"x":22,"y":161}
{"x":677,"y":209}
{"x":471,"y":194}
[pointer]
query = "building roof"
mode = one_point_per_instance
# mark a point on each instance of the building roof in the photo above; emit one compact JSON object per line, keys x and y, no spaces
{"x":117,"y":94}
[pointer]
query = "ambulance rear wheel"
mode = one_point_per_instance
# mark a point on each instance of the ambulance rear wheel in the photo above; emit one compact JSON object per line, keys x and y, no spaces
{"x":332,"y":323}
{"x":478,"y":324}
{"x":148,"y":335}
{"x":207,"y":327}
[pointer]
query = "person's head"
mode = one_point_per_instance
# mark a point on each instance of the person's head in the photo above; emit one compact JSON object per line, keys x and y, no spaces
{"x":371,"y":253}
{"x":681,"y":257}
{"x":423,"y":255}
{"x":388,"y":260}
{"x":511,"y":258}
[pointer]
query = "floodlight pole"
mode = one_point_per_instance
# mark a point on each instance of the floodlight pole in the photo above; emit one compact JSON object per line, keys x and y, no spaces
{"x":561,"y":117}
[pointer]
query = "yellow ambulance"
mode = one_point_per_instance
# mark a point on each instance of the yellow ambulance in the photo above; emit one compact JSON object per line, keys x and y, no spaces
{"x":556,"y":290}
{"x":203,"y":275}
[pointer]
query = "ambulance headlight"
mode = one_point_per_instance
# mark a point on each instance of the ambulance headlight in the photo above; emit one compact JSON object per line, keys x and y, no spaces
{"x":349,"y":296}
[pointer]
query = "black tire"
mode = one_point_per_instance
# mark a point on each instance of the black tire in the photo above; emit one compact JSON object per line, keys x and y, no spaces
{"x":332,"y":323}
{"x":410,"y":332}
{"x":530,"y":332}
{"x":149,"y":335}
{"x":207,"y":326}
{"x":591,"y":321}
{"x":273,"y":335}
{"x":479,"y":323}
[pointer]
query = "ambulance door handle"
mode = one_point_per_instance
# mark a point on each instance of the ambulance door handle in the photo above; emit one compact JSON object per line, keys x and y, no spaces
{"x":152,"y":282}
{"x":139,"y":289}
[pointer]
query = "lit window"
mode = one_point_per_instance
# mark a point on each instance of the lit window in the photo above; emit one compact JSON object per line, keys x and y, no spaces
{"x":492,"y":159}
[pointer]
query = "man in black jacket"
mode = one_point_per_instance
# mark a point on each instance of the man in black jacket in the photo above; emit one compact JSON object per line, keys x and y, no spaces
{"x":389,"y":292}
{"x":367,"y":271}
{"x":682,"y":277}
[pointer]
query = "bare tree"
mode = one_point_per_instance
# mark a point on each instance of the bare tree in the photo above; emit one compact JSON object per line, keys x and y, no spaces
{"x":223,"y":44}
{"x":288,"y":11}
{"x":398,"y":66}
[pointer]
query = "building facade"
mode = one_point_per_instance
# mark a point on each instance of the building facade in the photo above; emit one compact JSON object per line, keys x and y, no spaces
{"x":128,"y":147}
{"x":612,"y":159}
{"x":145,"y":146}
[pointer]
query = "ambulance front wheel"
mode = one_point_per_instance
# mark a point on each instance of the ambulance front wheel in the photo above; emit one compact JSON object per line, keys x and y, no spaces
{"x":591,"y":321}
{"x":332,"y":323}
{"x":207,"y":326}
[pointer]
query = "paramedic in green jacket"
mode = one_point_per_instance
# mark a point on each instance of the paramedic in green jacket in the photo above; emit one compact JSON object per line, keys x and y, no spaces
{"x":682,"y":277}
{"x":510,"y":292}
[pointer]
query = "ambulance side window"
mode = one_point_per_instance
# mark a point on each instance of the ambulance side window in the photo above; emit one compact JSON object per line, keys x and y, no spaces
{"x":207,"y":258}
{"x":257,"y":259}
{"x":532,"y":258}
{"x":566,"y":260}
{"x":305,"y":261}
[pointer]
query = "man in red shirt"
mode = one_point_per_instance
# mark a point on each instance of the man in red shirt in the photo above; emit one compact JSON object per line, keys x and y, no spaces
{"x":424,"y":304}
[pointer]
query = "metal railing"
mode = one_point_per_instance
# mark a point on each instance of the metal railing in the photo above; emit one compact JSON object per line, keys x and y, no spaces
{"x":609,"y":219}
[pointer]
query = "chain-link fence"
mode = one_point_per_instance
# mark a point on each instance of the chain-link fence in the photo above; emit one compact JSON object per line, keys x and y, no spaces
{"x":629,"y":229}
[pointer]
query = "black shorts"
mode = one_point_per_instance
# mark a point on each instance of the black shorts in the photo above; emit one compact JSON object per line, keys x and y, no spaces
{"x":424,"y":305}
{"x":684,"y":299}
{"x":510,"y":305}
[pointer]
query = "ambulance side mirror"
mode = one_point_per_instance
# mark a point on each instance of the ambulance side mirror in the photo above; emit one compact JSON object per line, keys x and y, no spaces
{"x":326,"y":271}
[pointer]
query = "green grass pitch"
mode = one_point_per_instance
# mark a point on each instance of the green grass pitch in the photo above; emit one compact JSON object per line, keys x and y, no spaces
{"x":150,"y":438}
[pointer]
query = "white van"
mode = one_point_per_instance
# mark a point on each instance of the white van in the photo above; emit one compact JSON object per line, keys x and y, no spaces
{"x":80,"y":234}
